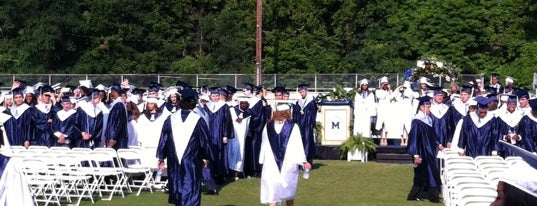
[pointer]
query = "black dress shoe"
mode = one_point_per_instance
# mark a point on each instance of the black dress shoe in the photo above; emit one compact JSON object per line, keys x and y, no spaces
{"x":212,"y":192}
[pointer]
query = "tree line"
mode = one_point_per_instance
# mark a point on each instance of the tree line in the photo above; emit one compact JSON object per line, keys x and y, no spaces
{"x":299,"y":36}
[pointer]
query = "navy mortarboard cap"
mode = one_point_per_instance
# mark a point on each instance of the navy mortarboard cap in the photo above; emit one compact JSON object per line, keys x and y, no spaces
{"x":138,"y":91}
{"x":533,"y":104}
{"x":65,"y":98}
{"x":248,"y":86}
{"x":182,"y":84}
{"x":259,"y":89}
{"x":223,"y":92}
{"x":94,"y":93}
{"x":231,"y":89}
{"x":490,"y":90}
{"x":22,"y":84}
{"x":214,"y":90}
{"x":188,"y":93}
{"x":512,"y":99}
{"x":492,"y":97}
{"x":115,"y":87}
{"x":494,"y":75}
{"x":425,"y":100}
{"x":467,"y":89}
{"x":18,"y":91}
{"x":154,"y":87}
{"x":72,"y":87}
{"x":45,"y":89}
{"x":278,"y":89}
{"x":523,"y":93}
{"x":482,"y":102}
{"x":302,"y":87}
{"x":436,"y":90}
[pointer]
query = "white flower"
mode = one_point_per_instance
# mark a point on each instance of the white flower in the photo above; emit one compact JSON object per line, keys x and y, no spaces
{"x":448,"y":78}
{"x":440,"y":64}
{"x":421,"y":64}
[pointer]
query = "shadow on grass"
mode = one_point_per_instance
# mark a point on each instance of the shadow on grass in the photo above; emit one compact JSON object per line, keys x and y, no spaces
{"x":318,"y":165}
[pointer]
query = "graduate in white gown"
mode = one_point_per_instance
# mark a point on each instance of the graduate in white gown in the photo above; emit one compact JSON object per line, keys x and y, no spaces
{"x":150,"y":124}
{"x":240,"y":115}
{"x":364,"y":108}
{"x":281,"y":154}
{"x":385,"y":121}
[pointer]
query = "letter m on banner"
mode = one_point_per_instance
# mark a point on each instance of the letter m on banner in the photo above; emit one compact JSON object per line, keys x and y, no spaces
{"x":335,"y":125}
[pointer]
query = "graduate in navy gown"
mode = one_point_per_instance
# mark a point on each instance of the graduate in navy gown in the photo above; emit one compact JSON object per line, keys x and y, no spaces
{"x":221,"y":129}
{"x":19,"y":128}
{"x":442,"y":123}
{"x":479,"y":134}
{"x":509,"y":127}
{"x":305,"y":115}
{"x":89,"y":122}
{"x":529,"y":128}
{"x":42,"y":116}
{"x":63,"y":124}
{"x":116,"y":133}
{"x":260,"y":111}
{"x":184,"y":142}
{"x":422,"y":145}
{"x":172,"y":101}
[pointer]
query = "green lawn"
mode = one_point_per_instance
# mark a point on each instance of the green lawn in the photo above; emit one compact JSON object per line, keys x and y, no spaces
{"x":333,"y":182}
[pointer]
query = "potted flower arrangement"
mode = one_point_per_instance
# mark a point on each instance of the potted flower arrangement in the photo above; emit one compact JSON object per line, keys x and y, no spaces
{"x":357,"y":148}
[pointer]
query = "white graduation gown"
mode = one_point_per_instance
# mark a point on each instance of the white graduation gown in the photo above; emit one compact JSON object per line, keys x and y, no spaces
{"x":236,"y":145}
{"x":279,"y":186}
{"x":364,"y":108}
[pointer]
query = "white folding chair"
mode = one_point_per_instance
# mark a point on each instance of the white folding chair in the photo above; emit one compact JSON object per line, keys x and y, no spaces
{"x":74,"y":180}
{"x":132,"y":165}
{"x":59,"y":148}
{"x":40,"y":180}
{"x":104,"y":165}
{"x":37,"y":147}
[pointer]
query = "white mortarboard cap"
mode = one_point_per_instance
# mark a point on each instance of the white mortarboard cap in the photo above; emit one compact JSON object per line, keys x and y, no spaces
{"x":100,"y":87}
{"x":283,"y":107}
{"x":56,"y":86}
{"x":205,"y":97}
{"x":65,"y":90}
{"x":407,"y":84}
{"x":29,"y":90}
{"x":472,"y":102}
{"x":363,"y":81}
{"x":152,"y":99}
{"x":384,"y":79}
{"x":134,"y":98}
{"x":509,"y":80}
{"x":171,"y":91}
{"x":86,"y":83}
{"x":424,"y":80}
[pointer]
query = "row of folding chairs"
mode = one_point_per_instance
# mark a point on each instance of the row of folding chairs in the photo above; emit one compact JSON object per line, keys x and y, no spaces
{"x":54,"y":174}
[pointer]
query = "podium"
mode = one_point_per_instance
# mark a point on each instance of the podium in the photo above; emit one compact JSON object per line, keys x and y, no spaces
{"x":336,"y":121}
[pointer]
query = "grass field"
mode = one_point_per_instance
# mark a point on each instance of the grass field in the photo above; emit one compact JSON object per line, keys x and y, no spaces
{"x":332,"y":182}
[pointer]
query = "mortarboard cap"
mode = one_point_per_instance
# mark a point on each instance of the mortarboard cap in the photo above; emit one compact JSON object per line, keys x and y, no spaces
{"x":467,"y":89}
{"x":181,"y":84}
{"x":302,"y":87}
{"x":65,"y":98}
{"x":425,"y":80}
{"x":86,"y":83}
{"x":188,"y":93}
{"x":533,"y":104}
{"x":138,"y":91}
{"x":22,"y":84}
{"x":482,"y":102}
{"x":509,"y":80}
{"x":511,"y":99}
{"x":205,"y":97}
{"x":364,"y":81}
{"x":383,"y":79}
{"x":46,"y":89}
{"x":492,"y":97}
{"x":259,"y":89}
{"x":490,"y":90}
{"x":436,"y":90}
{"x":56,"y":86}
{"x":248,"y":86}
{"x":231,"y":89}
{"x":214,"y":90}
{"x":94,"y":93}
{"x":17,"y":91}
{"x":115,"y":87}
{"x":283,"y":107}
{"x":424,"y":100}
{"x":223,"y":92}
{"x":494,"y":76}
{"x":522,"y":94}
{"x":29,"y":90}
{"x":278,"y":89}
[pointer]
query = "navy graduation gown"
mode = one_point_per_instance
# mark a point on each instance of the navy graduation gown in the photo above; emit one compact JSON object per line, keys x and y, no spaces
{"x":185,"y":178}
{"x":252,"y":144}
{"x":19,"y":126}
{"x":478,"y":137}
{"x":529,"y":132}
{"x":42,"y":114}
{"x":442,"y":125}
{"x":507,"y":124}
{"x":64,"y":122}
{"x":220,"y":125}
{"x":170,"y":107}
{"x":89,"y":120}
{"x":116,"y":128}
{"x":422,"y":141}
{"x":305,"y":116}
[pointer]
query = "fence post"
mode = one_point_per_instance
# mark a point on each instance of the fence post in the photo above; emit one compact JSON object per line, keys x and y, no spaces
{"x":355,"y":80}
{"x":315,"y":82}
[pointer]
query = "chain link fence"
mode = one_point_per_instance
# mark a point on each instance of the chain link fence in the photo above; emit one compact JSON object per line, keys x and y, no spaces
{"x":317,"y":82}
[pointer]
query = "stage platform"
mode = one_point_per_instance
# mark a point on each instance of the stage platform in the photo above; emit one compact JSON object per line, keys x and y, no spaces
{"x":393,"y":153}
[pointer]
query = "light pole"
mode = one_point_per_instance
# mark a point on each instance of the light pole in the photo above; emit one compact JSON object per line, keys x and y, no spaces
{"x":258,"y":41}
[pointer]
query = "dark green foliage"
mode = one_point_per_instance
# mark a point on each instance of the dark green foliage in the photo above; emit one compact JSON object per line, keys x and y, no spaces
{"x":299,"y":36}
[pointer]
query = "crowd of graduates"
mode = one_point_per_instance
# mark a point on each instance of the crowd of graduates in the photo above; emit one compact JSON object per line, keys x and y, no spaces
{"x":120,"y":116}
